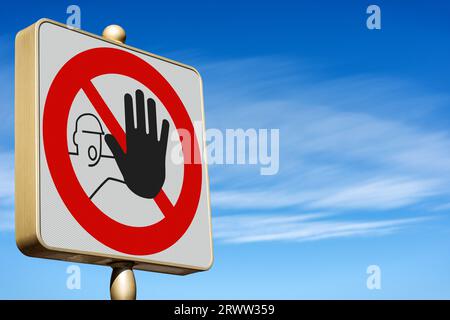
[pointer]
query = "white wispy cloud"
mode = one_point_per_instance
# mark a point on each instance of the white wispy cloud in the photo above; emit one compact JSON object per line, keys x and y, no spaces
{"x":6,"y":220}
{"x":6,"y":191}
{"x":262,"y":228}
{"x":270,"y":199}
{"x":7,"y":132}
{"x":347,"y":143}
{"x":378,"y":194}
{"x":355,"y":146}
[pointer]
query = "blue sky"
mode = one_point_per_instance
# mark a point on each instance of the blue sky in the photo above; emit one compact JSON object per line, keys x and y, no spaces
{"x":364,"y":146}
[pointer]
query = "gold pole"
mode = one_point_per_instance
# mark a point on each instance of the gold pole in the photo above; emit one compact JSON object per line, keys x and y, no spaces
{"x":123,"y":283}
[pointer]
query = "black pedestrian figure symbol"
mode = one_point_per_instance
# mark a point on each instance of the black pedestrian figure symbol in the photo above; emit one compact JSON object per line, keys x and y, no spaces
{"x":142,"y":165}
{"x":87,"y":138}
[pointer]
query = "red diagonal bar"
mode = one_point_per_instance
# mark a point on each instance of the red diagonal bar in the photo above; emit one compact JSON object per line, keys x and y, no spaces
{"x":162,"y":201}
{"x":105,"y":113}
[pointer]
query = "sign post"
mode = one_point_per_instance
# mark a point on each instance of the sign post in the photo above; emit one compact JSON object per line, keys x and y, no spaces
{"x":110,"y":155}
{"x":123,"y":282}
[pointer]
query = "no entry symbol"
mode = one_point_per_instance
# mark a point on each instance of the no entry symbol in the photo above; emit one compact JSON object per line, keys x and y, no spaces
{"x":77,"y":74}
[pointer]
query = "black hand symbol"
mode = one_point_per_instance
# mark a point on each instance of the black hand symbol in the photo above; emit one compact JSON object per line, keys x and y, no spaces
{"x":143,"y":165}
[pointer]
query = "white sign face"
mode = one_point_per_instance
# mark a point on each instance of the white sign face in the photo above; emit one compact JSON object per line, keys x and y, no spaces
{"x":121,"y":153}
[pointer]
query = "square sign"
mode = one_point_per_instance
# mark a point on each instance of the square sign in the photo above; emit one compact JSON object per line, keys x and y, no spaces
{"x":110,"y":161}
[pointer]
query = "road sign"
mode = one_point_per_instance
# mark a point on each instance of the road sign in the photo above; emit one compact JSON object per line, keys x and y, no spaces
{"x":110,"y":162}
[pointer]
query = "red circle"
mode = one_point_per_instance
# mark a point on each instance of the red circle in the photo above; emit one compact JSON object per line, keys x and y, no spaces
{"x":82,"y":68}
